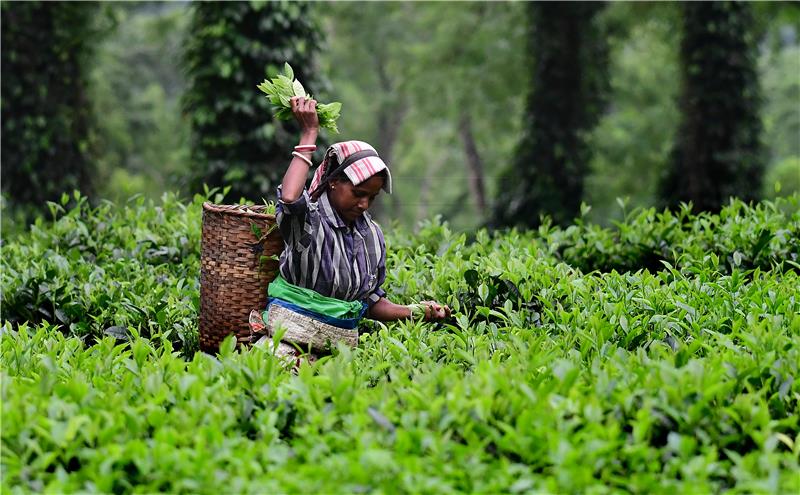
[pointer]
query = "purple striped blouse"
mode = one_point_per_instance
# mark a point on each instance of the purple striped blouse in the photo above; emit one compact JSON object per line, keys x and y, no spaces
{"x":323,"y":254}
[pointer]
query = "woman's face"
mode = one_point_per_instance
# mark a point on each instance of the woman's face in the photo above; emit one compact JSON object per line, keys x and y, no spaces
{"x":351,"y":201}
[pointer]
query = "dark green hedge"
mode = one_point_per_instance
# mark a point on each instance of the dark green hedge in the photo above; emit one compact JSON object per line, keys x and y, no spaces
{"x":46,"y":116}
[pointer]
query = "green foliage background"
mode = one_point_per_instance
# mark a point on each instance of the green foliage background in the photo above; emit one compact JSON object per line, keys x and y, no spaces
{"x":410,"y":96}
{"x":413,"y":89}
{"x":631,"y":142}
{"x":143,"y":135}
{"x":632,"y":350}
{"x":231,"y":47}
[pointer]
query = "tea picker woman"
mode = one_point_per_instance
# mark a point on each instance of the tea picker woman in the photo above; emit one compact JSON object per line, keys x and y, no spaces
{"x":333,"y":263}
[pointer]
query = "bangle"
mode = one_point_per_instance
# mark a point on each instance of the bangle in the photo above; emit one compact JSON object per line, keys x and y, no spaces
{"x":304,"y":158}
{"x":306,"y":148}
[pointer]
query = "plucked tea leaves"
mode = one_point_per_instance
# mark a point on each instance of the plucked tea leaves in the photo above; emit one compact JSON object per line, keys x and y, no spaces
{"x":280,"y":89}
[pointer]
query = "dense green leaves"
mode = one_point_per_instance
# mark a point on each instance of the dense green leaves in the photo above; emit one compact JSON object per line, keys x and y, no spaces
{"x":765,"y":236}
{"x":92,"y":270}
{"x":554,"y":375}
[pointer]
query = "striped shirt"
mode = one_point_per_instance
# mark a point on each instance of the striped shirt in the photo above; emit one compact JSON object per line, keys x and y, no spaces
{"x":323,"y":254}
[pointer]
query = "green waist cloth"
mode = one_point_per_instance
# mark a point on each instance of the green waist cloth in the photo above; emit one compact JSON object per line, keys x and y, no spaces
{"x":313,"y":300}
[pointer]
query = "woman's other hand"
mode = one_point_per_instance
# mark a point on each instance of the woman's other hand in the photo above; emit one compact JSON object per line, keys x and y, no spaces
{"x":385,"y":310}
{"x":435,"y":311}
{"x":305,"y":111}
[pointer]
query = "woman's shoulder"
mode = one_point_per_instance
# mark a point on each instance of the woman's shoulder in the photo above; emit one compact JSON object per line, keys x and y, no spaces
{"x":300,"y":205}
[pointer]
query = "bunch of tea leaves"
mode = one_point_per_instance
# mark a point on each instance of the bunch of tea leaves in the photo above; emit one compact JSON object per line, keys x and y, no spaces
{"x":284,"y":86}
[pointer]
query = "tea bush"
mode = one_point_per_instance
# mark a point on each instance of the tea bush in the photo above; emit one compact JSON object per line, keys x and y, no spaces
{"x":560,"y":371}
{"x":106,"y":268}
{"x":764,"y":236}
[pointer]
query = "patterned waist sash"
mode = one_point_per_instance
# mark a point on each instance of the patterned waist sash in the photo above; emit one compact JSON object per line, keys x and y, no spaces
{"x":309,"y":319}
{"x":307,"y":302}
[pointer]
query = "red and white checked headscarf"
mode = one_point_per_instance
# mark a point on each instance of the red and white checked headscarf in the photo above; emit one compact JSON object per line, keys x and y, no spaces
{"x":359,"y":170}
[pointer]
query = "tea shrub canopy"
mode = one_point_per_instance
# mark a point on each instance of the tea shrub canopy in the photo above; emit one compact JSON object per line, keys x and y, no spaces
{"x":658,"y":355}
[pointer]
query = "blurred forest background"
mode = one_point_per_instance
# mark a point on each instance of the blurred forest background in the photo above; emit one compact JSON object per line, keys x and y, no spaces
{"x":489,"y":113}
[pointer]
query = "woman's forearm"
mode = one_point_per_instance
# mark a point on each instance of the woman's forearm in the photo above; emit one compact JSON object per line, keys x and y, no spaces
{"x":385,"y":310}
{"x":294,"y":180}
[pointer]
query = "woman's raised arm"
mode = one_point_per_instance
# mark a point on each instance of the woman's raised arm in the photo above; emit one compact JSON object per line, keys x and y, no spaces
{"x":305,"y":111}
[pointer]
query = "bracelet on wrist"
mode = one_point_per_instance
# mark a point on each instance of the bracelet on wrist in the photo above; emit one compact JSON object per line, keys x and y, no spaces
{"x":306,"y":148}
{"x":302,"y":157}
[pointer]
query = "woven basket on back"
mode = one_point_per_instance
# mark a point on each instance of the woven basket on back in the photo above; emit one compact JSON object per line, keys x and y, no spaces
{"x":234,"y":269}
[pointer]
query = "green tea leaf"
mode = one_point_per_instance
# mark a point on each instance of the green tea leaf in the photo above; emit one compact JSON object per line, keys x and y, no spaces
{"x":298,"y":88}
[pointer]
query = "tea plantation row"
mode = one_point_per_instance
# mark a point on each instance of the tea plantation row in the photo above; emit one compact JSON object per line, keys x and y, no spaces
{"x":566,"y":368}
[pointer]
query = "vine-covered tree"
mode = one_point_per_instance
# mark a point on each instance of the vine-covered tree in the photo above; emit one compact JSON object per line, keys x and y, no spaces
{"x":570,"y":58}
{"x":718,"y":148}
{"x":46,"y":119}
{"x":231,"y":47}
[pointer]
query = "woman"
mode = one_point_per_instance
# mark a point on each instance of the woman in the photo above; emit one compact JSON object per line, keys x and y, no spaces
{"x":333,"y":263}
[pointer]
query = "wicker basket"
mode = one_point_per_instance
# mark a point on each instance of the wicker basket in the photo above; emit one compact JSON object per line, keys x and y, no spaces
{"x":233,"y":271}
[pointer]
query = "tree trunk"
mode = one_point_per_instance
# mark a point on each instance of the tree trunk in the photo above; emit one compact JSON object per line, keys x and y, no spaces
{"x":474,"y":162}
{"x":565,"y":100}
{"x":391,"y":114}
{"x":718,"y":152}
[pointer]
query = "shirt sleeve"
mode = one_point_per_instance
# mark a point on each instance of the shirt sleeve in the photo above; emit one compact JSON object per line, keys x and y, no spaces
{"x":378,"y":293}
{"x":295,"y":219}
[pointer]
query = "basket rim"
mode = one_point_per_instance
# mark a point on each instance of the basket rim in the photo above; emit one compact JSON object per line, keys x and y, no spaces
{"x":238,"y":210}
